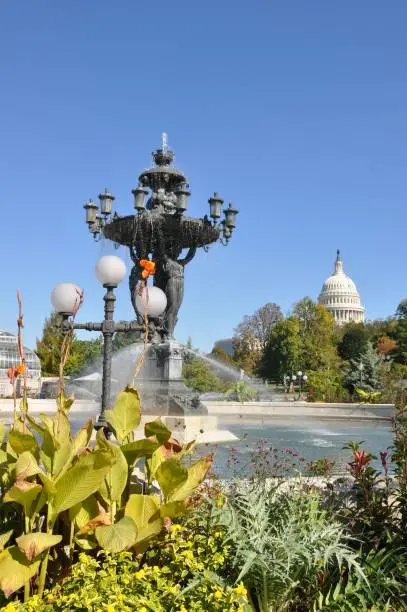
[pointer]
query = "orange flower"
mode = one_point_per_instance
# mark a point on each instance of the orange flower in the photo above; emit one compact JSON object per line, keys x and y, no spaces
{"x":20,"y":369}
{"x":148,"y":268}
{"x":11,"y":374}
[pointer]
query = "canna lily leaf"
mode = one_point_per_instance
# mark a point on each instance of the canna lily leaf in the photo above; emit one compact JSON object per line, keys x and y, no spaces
{"x":98,"y":521}
{"x":81,"y":480}
{"x":126,"y":415}
{"x":158,"y":429}
{"x":21,"y":441}
{"x":4,"y":538}
{"x":196,"y":474}
{"x":83,"y":512}
{"x":26,"y":466}
{"x":15,"y":570}
{"x":172,"y":509}
{"x":170,"y":475}
{"x":33,"y":544}
{"x":137,"y":449}
{"x":24,"y":493}
{"x":145,"y":512}
{"x":120,"y":536}
{"x":115,"y":480}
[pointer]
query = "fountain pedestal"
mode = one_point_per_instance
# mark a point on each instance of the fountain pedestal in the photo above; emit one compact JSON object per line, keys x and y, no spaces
{"x":161,"y":384}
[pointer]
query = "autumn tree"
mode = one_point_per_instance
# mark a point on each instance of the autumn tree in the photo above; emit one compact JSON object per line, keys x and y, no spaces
{"x":252,"y":334}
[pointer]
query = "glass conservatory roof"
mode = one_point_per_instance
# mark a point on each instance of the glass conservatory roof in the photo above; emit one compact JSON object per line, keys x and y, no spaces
{"x":9,"y":356}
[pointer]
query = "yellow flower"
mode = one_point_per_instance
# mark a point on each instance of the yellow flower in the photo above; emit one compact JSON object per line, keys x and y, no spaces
{"x":110,"y":608}
{"x":240,"y":590}
{"x":140,"y":574}
{"x":10,"y":608}
{"x":218,"y":594}
{"x":142,"y":609}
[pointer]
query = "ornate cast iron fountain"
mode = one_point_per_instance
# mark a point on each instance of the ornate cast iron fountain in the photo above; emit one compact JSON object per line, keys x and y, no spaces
{"x":160,"y":229}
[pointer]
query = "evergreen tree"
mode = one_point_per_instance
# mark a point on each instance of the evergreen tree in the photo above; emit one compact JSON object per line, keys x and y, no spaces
{"x":401,"y":331}
{"x":364,"y":372}
{"x":82,"y":352}
{"x":283,"y":350}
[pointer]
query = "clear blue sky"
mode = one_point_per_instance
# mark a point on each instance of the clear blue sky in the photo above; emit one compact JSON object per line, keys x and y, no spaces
{"x":294,"y":110}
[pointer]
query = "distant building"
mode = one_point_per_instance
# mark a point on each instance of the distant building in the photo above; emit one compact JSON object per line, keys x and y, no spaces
{"x":340,"y":296}
{"x":226,"y":345}
{"x":10,"y":358}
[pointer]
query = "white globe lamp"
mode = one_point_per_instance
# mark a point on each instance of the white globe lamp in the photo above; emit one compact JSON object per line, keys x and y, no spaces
{"x":66,"y":298}
{"x":110,"y":270}
{"x":152,"y":300}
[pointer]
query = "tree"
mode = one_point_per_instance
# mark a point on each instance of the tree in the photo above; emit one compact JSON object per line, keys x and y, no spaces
{"x":252,"y":334}
{"x":123,"y":339}
{"x":283,"y":351}
{"x":221,"y":355}
{"x":318,"y":338}
{"x":386,"y":345}
{"x":354,"y":341}
{"x":198,"y":376}
{"x":258,"y":326}
{"x":401,"y":331}
{"x":364,"y":372}
{"x":48,"y":349}
{"x":325,"y":385}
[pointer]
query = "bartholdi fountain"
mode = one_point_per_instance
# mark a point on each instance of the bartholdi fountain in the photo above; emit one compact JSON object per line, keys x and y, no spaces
{"x":162,"y":240}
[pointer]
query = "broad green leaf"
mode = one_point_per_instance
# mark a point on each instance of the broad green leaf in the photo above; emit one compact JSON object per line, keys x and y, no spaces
{"x":4,"y":538}
{"x":2,"y":431}
{"x":64,"y":403}
{"x":157,"y":458}
{"x":86,"y":541}
{"x":145,"y":512}
{"x":82,"y":438}
{"x":15,"y":570}
{"x":137,"y":449}
{"x":158,"y":429}
{"x":48,"y":446}
{"x":81,"y":480}
{"x":33,"y":544}
{"x":120,"y":536}
{"x":172,"y":509}
{"x":5,"y":457}
{"x":49,"y":485}
{"x":170,"y":475}
{"x":23,"y":493}
{"x":26,"y":466}
{"x":85,"y":511}
{"x":115,"y":480}
{"x":196,"y":474}
{"x":22,"y":441}
{"x":125,"y":416}
{"x":59,"y":429}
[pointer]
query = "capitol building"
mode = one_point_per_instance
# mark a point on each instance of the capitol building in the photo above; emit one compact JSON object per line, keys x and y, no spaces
{"x":340,"y":296}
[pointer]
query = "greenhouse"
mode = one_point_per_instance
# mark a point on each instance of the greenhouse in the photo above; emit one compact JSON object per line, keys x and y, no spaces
{"x":10,"y":358}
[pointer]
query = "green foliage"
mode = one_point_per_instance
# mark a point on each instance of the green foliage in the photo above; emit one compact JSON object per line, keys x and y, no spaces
{"x":323,"y":466}
{"x":199,"y":377}
{"x":65,"y":494}
{"x":354,"y":341}
{"x":401,"y":331}
{"x":123,"y":339}
{"x":282,"y":352}
{"x":368,"y":397}
{"x":325,"y":386}
{"x":221,"y":355}
{"x":180,"y":574}
{"x":48,"y":350}
{"x":242,"y":392}
{"x":283,"y":544}
{"x":317,"y":332}
{"x":364,"y":372}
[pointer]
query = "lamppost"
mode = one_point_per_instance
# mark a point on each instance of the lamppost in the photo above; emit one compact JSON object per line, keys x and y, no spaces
{"x":161,"y":229}
{"x":110,"y":271}
{"x":302,"y":378}
{"x":290,"y":380}
{"x":361,"y":367}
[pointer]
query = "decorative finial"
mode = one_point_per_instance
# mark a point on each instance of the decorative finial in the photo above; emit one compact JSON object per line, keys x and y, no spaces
{"x":164,"y":141}
{"x":338,"y":253}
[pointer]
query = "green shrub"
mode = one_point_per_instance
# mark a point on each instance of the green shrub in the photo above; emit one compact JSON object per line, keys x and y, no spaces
{"x":242,"y":392}
{"x":177,"y":574}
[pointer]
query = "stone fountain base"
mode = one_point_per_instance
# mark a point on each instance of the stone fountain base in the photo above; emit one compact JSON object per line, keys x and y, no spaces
{"x":161,"y":384}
